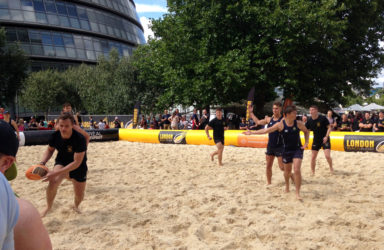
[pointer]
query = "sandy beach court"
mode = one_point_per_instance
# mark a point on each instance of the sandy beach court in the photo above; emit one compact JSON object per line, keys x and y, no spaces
{"x":157,"y":196}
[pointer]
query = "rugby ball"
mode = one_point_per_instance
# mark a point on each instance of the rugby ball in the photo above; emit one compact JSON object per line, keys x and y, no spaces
{"x":36,"y":172}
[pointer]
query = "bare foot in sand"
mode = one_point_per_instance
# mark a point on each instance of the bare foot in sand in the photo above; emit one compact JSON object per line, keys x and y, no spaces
{"x":298,"y":197}
{"x":212,"y":156}
{"x":45,"y":212}
{"x":76,"y":209}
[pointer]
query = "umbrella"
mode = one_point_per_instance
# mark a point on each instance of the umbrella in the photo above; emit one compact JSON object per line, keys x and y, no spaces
{"x":372,"y":106}
{"x":355,"y":107}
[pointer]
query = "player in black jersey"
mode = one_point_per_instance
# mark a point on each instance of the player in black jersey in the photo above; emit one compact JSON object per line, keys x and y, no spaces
{"x":70,"y":161}
{"x":275,"y":141}
{"x":379,"y":125}
{"x":293,"y":151}
{"x":321,"y":129}
{"x":218,"y":125}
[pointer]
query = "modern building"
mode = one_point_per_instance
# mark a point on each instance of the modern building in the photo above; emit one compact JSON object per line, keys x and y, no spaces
{"x":57,"y":34}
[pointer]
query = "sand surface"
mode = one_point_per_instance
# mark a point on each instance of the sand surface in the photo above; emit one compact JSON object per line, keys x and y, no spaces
{"x":156,"y":196}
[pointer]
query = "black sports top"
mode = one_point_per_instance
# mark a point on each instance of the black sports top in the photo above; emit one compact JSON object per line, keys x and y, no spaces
{"x":275,"y":139}
{"x":291,"y":137}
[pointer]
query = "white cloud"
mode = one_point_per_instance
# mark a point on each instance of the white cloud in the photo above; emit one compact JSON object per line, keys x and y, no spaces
{"x":145,"y":8}
{"x":147,"y":31}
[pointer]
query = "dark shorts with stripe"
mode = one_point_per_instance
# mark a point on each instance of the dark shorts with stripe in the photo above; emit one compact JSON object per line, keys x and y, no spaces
{"x":288,"y":156}
{"x":317,"y":146}
{"x":275,"y":151}
{"x":79,"y":174}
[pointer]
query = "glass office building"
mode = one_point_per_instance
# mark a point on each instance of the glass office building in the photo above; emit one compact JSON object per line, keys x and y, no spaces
{"x":56,"y":34}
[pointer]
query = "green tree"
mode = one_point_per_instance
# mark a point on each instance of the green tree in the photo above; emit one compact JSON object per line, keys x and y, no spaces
{"x":213,"y":52}
{"x":110,"y":87}
{"x":44,"y":90}
{"x":13,"y":70}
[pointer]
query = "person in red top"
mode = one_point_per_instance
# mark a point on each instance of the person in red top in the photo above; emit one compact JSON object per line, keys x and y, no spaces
{"x":1,"y":113}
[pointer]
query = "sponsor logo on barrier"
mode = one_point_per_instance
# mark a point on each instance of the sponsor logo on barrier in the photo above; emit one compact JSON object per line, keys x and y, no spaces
{"x":353,"y":143}
{"x":95,"y":135}
{"x":252,"y":141}
{"x":172,"y":137}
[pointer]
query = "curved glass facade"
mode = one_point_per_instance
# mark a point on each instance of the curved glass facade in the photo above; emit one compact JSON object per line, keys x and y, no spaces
{"x":72,"y":30}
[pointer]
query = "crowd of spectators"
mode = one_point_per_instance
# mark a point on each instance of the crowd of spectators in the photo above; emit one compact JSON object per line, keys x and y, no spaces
{"x":353,"y":121}
{"x":356,"y":121}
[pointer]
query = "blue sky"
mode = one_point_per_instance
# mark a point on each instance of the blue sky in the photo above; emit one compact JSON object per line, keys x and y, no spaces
{"x":157,"y":8}
{"x":150,"y":9}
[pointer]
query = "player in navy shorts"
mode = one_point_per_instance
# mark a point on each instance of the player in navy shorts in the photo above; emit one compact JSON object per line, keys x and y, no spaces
{"x":293,"y":150}
{"x":275,"y":145}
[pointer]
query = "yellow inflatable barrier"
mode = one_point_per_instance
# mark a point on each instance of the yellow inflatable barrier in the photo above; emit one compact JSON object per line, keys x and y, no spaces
{"x":340,"y":141}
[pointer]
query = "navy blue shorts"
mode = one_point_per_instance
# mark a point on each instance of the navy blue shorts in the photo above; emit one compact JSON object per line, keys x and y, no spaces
{"x":289,"y":155}
{"x":217,"y":140}
{"x":79,"y":174}
{"x":317,"y":146}
{"x":275,"y":151}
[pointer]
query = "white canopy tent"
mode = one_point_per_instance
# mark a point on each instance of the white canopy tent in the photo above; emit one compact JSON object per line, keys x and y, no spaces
{"x":373,"y":106}
{"x":355,"y":107}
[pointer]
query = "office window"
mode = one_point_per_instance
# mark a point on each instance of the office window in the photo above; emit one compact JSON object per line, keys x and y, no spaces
{"x":11,"y":35}
{"x":4,"y":14}
{"x":82,"y":13}
{"x":61,"y":8}
{"x":98,"y":54}
{"x":84,"y":24}
{"x":68,"y":41}
{"x":81,"y":54}
{"x":64,"y":21}
{"x":110,"y":31}
{"x":35,"y":37}
{"x":29,"y":16}
{"x":78,"y":42}
{"x":38,"y":5}
{"x":48,"y":50}
{"x":46,"y":38}
{"x":26,"y":5}
{"x":96,"y":44}
{"x":74,"y":22}
{"x":71,"y":52}
{"x":37,"y":50}
{"x":3,"y":4}
{"x":91,"y":15}
{"x":50,"y":6}
{"x":72,"y":10}
{"x":41,"y":17}
{"x":53,"y":19}
{"x":95,"y":27}
{"x":57,"y":39}
{"x":103,"y":29}
{"x":14,"y":4}
{"x":88,"y":44}
{"x":26,"y":48}
{"x":22,"y":35}
{"x":60,"y":51}
{"x":91,"y":55}
{"x":104,"y":46}
{"x":16,"y":15}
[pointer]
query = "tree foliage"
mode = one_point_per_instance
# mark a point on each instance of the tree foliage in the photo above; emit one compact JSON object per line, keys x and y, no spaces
{"x":44,"y":90}
{"x":110,"y":87}
{"x":13,"y":68}
{"x":213,"y":52}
